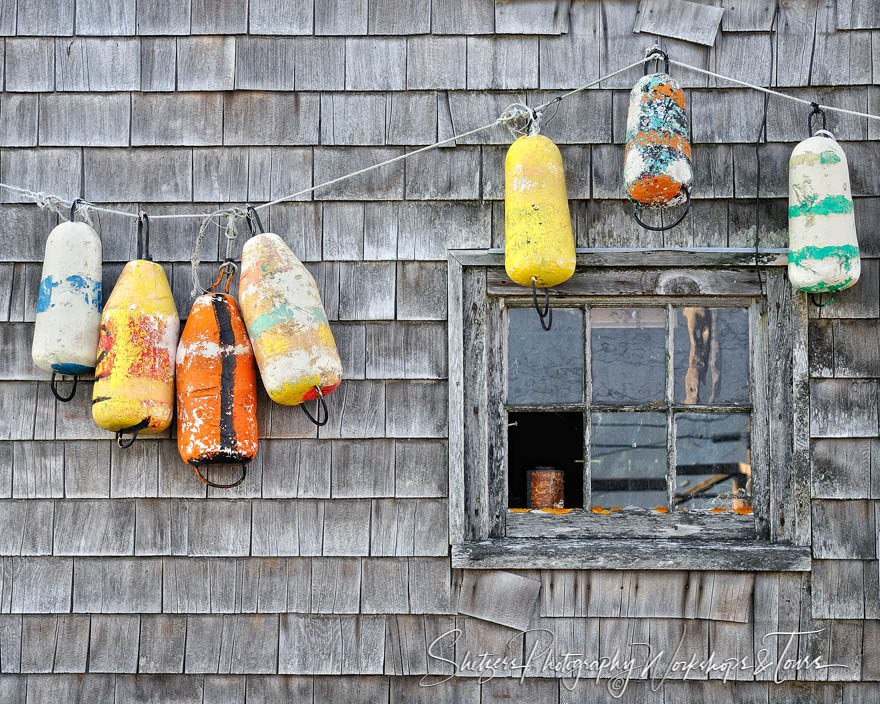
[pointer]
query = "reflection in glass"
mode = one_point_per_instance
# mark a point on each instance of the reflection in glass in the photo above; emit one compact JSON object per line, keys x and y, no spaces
{"x":628,"y":354}
{"x":545,"y":367}
{"x":628,"y":459}
{"x":712,"y":461}
{"x":711,"y":355}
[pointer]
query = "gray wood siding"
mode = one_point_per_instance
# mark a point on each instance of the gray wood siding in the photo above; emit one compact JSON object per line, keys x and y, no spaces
{"x":326,"y":575}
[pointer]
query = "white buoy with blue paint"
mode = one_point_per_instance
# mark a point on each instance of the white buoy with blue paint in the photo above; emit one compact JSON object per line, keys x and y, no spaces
{"x":69,"y":303}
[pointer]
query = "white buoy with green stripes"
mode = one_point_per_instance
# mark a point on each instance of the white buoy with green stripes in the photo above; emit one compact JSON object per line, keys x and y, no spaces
{"x":823,"y":250}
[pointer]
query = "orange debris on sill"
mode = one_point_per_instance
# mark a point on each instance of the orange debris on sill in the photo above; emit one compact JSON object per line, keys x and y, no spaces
{"x":661,"y":509}
{"x":600,"y":510}
{"x":743,"y":510}
{"x":615,"y":508}
{"x":557,"y":511}
{"x":718,"y":510}
{"x":520,"y":510}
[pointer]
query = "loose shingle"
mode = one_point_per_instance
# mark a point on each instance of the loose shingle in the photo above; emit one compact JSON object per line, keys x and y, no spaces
{"x":345,"y":17}
{"x":158,"y":64}
{"x":219,"y":16}
{"x":30,"y":65}
{"x":435,"y":63}
{"x":265,"y":63}
{"x":281,"y":16}
{"x":36,"y":17}
{"x":500,"y":597}
{"x":502,"y":62}
{"x":264,"y":118}
{"x":690,"y":21}
{"x":158,"y":119}
{"x":97,"y":64}
{"x":18,"y":120}
{"x":206,"y":63}
{"x":151,"y":175}
{"x":105,"y":120}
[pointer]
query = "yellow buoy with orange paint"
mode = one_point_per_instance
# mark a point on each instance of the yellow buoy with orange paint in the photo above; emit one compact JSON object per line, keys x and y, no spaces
{"x":134,"y":376}
{"x":216,"y":387}
{"x":286,"y":322}
{"x":539,"y":244}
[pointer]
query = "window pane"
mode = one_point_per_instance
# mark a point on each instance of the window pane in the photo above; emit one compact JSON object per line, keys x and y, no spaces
{"x":628,"y":348}
{"x":545,"y":367}
{"x":711,"y":355}
{"x":712,"y":460}
{"x":549,"y":439}
{"x":628,"y":459}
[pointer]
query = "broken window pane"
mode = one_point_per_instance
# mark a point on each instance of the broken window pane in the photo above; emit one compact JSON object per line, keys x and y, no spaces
{"x":628,"y":459}
{"x":711,"y":355}
{"x":545,"y":367}
{"x":712,"y":462}
{"x":628,"y":355}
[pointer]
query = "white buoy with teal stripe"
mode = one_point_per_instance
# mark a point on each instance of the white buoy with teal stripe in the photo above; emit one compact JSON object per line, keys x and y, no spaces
{"x":69,"y":301}
{"x":823,"y":250}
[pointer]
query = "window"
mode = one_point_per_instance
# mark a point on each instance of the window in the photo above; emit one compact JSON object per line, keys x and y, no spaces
{"x":659,"y":423}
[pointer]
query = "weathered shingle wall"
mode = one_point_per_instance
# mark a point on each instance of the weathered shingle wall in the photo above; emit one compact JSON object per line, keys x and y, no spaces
{"x":329,"y":563}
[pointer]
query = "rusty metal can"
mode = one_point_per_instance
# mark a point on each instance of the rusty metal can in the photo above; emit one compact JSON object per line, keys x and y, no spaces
{"x":546,"y":487}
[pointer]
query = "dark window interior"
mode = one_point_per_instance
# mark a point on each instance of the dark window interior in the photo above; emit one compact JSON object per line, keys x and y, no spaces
{"x":554,"y":439}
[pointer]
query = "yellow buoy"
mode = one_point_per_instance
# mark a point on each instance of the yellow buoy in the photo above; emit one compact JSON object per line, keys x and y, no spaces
{"x":539,"y":246}
{"x":134,"y":377}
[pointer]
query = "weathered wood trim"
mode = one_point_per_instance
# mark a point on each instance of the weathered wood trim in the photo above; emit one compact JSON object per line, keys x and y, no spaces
{"x":496,"y":392}
{"x":456,"y":402}
{"x":799,"y":503}
{"x":632,"y":523}
{"x":760,"y":421}
{"x":677,"y":281}
{"x":645,"y":257}
{"x":648,"y":554}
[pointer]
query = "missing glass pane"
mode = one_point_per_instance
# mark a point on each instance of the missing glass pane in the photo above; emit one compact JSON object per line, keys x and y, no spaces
{"x":628,"y":354}
{"x":545,"y":440}
{"x":712,"y":464}
{"x":545,"y":367}
{"x":711,"y":355}
{"x":628,"y":460}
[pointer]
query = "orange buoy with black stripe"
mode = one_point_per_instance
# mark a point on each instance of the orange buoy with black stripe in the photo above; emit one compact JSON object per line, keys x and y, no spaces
{"x":216,"y":386}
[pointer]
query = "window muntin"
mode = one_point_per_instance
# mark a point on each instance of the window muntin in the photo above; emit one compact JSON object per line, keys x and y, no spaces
{"x":647,"y":369}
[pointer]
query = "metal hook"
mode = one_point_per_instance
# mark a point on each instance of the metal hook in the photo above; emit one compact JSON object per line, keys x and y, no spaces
{"x":134,"y":430}
{"x":816,"y":111}
{"x":143,"y":236}
{"x":73,"y":208}
{"x":655,"y":53}
{"x":322,"y":404}
{"x":223,"y":486}
{"x":547,"y":313}
{"x":63,"y":399}
{"x":635,"y":214}
{"x":253,"y":220}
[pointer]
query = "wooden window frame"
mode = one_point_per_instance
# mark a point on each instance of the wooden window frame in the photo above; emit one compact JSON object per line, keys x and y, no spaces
{"x":485,"y":535}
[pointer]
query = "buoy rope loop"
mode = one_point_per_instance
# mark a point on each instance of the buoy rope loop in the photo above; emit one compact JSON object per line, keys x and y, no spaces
{"x":817,"y":110}
{"x":54,"y":387}
{"x":143,"y":237}
{"x":134,"y":430}
{"x":215,"y":485}
{"x":74,"y":206}
{"x":322,"y":405}
{"x":662,"y":228}
{"x":825,"y":133}
{"x":655,"y":53}
{"x":816,"y":301}
{"x":547,"y":313}
{"x":255,"y":225}
{"x":521,"y":119}
{"x":228,"y":267}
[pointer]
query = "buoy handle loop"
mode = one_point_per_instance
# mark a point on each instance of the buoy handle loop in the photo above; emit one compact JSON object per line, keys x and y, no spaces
{"x":134,"y":430}
{"x":54,"y":387}
{"x":655,"y":53}
{"x":816,"y":111}
{"x":143,"y":236}
{"x":547,"y":313}
{"x":816,"y":301}
{"x":215,"y":485}
{"x":73,"y":207}
{"x":255,"y":225}
{"x":227,"y":267}
{"x":687,"y":207}
{"x":322,"y":405}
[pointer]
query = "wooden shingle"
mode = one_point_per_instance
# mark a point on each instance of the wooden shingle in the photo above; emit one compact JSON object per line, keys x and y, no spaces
{"x":435,"y":63}
{"x":264,"y":118}
{"x":108,"y":125}
{"x":411,"y":118}
{"x":30,"y":65}
{"x":421,"y":291}
{"x":462,"y":17}
{"x":153,"y":175}
{"x":843,"y":529}
{"x":18,"y":119}
{"x":320,"y":63}
{"x":117,"y":586}
{"x":105,"y":17}
{"x":159,"y":119}
{"x":206,"y":63}
{"x":347,"y":17}
{"x":97,"y":64}
{"x":364,"y":56}
{"x":157,"y":17}
{"x":158,"y":63}
{"x":113,"y":643}
{"x":502,"y":63}
{"x":40,"y":18}
{"x":280,"y":16}
{"x":54,"y":170}
{"x":362,"y":468}
{"x":265,"y":63}
{"x":839,"y":58}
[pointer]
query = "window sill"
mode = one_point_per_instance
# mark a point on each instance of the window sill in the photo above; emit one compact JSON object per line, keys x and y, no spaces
{"x":619,"y":554}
